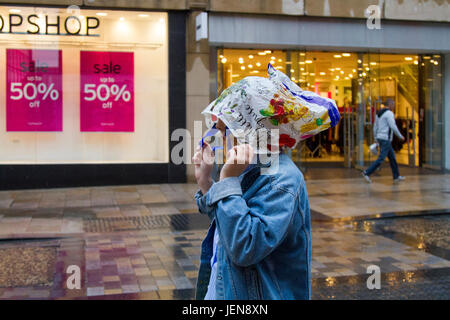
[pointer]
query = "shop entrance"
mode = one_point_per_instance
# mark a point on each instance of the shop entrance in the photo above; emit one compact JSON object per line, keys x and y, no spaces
{"x":360,"y":83}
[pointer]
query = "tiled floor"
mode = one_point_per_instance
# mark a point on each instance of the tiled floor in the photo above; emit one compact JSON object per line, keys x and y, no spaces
{"x":146,"y":240}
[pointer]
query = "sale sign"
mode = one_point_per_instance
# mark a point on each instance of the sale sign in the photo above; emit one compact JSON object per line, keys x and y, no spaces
{"x":107,"y":91}
{"x":33,"y":90}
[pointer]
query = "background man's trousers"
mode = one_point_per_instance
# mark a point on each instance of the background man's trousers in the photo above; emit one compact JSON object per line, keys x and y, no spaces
{"x":386,"y":151}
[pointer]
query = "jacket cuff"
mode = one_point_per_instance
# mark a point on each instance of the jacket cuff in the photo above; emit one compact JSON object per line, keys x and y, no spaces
{"x":223,"y":189}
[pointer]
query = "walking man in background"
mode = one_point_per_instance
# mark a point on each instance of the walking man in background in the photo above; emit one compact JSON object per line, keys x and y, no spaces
{"x":383,"y":131}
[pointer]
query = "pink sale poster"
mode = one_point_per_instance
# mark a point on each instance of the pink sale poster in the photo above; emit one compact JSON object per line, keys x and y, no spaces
{"x":107,"y":91}
{"x":33,"y":90}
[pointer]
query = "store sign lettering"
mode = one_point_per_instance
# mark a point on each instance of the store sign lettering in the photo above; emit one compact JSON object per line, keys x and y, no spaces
{"x":32,"y":66}
{"x":69,"y":26}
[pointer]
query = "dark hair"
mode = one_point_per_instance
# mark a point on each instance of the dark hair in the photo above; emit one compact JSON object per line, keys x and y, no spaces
{"x":389,"y":102}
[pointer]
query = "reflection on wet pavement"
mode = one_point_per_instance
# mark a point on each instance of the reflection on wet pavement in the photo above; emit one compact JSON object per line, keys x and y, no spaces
{"x":143,"y":242}
{"x":430,"y":230}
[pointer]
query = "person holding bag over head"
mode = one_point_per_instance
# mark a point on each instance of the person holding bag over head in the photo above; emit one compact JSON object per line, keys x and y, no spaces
{"x":259,"y":243}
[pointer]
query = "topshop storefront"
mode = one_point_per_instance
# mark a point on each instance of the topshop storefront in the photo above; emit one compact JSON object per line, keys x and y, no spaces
{"x":88,"y":97}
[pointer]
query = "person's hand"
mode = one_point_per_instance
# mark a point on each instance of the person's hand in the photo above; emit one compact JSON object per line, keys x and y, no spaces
{"x":238,"y":159}
{"x":203,"y":161}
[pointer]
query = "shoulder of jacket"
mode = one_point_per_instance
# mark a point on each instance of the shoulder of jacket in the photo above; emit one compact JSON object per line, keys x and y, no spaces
{"x":288,"y":177}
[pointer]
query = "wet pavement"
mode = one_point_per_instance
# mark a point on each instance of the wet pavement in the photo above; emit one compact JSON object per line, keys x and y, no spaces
{"x":143,"y":242}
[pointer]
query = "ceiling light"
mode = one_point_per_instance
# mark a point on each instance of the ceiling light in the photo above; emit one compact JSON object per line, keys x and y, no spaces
{"x":272,"y":58}
{"x":373,"y":63}
{"x":250,"y":56}
{"x":292,"y":70}
{"x":312,"y":74}
{"x":258,"y":64}
{"x":250,"y":66}
{"x":242,"y":67}
{"x":143,"y":15}
{"x":302,"y":62}
{"x":346,"y":54}
{"x":337,"y":56}
{"x":308,"y":61}
{"x":350,"y":75}
{"x":322,"y":73}
{"x":102,"y":14}
{"x":268,"y":51}
{"x":280,"y":60}
{"x":14,"y":10}
{"x":416,"y":62}
{"x":263,"y":53}
{"x":408,"y":58}
{"x":224,"y":60}
{"x":302,"y":54}
{"x":359,"y":61}
{"x":342,"y":71}
{"x":241,"y":60}
{"x":121,"y":18}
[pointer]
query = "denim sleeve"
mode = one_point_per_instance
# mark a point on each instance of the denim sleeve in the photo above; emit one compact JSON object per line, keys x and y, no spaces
{"x":200,"y":198}
{"x":250,"y":230}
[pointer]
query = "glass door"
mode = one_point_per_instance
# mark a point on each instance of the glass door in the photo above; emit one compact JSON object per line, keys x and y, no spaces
{"x":369,"y":97}
{"x":431,"y":111}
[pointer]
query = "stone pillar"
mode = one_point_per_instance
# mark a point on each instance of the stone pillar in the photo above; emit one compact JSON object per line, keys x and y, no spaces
{"x":197,"y":81}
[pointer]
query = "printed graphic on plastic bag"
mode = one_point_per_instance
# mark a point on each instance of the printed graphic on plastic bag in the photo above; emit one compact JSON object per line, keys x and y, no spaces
{"x":255,"y":104}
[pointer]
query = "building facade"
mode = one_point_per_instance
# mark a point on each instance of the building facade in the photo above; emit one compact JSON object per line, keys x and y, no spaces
{"x":110,"y":123}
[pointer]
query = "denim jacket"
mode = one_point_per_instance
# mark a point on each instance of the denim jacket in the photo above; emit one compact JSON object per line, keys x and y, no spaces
{"x":264,"y":227}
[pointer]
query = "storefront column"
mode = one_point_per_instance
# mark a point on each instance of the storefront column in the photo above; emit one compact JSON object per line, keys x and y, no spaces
{"x":198,"y":82}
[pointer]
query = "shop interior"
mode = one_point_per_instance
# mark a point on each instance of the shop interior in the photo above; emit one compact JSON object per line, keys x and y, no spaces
{"x":358,"y":82}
